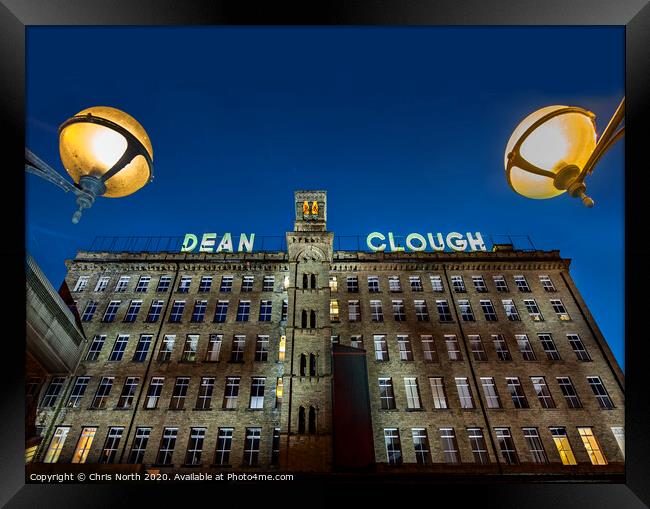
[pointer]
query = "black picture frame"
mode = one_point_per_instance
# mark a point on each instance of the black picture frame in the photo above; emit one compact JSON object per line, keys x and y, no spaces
{"x":16,"y":15}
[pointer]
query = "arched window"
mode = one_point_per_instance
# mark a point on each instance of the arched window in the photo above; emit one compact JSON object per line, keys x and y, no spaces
{"x":313,"y":280}
{"x":303,"y":364}
{"x":304,"y":319}
{"x":301,"y":420}
{"x":312,"y":419}
{"x":312,"y":319}
{"x":305,"y":281}
{"x":312,"y":364}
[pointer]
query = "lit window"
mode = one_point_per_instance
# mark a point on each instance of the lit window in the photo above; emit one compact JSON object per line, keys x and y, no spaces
{"x":386,"y":394}
{"x":560,"y":310}
{"x":83,"y":445}
{"x":56,"y":445}
{"x":535,"y":446}
{"x":282,"y":348}
{"x":393,"y":446}
{"x":438,"y":391}
{"x":279,"y":392}
{"x":412,"y":393}
{"x":449,"y":445}
{"x":563,"y":446}
{"x":421,"y":446}
{"x":464,"y":393}
{"x":592,"y":446}
{"x":533,"y":310}
{"x":478,"y":446}
{"x":507,"y":446}
{"x":334,"y":310}
{"x":381,"y":348}
{"x":334,"y":285}
{"x":490,"y":391}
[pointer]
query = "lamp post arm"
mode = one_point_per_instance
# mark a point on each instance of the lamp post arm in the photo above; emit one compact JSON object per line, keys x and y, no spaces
{"x":36,"y":166}
{"x":607,"y":139}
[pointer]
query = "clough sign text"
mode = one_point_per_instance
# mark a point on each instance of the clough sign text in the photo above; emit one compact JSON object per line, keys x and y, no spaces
{"x":436,"y":242}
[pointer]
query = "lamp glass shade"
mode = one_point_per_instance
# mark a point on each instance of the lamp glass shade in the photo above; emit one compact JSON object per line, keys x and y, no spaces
{"x":567,"y":138}
{"x":92,"y":149}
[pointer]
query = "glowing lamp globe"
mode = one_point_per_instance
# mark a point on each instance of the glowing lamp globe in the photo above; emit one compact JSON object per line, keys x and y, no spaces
{"x":106,"y":152}
{"x":548,"y":150}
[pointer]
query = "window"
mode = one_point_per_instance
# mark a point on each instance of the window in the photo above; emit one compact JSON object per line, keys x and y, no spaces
{"x":490,"y":391}
{"x":285,"y":310}
{"x":268,"y":283}
{"x":479,"y":284}
{"x":394,"y":284}
{"x":279,"y":391}
{"x":381,"y":348}
{"x":128,"y":392}
{"x":560,"y":310}
{"x":421,"y":310}
{"x":569,"y":392}
{"x":166,"y":348}
{"x":466,"y":312}
{"x":226,"y":284}
{"x":386,"y":394}
{"x":444,"y":312}
{"x":190,"y":348}
{"x":405,"y":350}
{"x":376,"y":312}
{"x":507,"y":446}
{"x":421,"y":446}
{"x":500,"y":283}
{"x":180,"y":392}
{"x":334,"y":310}
{"x":334,"y":284}
{"x":335,"y":339}
{"x":252,"y":446}
{"x":542,"y":392}
{"x":373,"y":284}
{"x":102,"y":283}
{"x":501,"y":347}
{"x":167,"y":444}
{"x":525,"y":348}
{"x":578,"y":347}
{"x":478,"y":446}
{"x":139,"y":445}
{"x":95,"y":348}
{"x":488,"y":311}
{"x":416,"y":283}
{"x":224,"y":445}
{"x":198,"y":314}
{"x":282,"y":348}
{"x":522,"y":284}
{"x":353,"y":284}
{"x":143,"y":284}
{"x":453,"y":348}
{"x":122,"y":283}
{"x":118,"y":348}
{"x":535,"y":446}
{"x":511,"y":310}
{"x":184,"y":284}
{"x":163,"y":284}
{"x":548,"y":345}
{"x":176,"y":314}
{"x":516,"y":392}
{"x":103,"y":391}
{"x":438,"y":392}
{"x":195,"y":446}
{"x":111,"y":311}
{"x":449,"y":445}
{"x":619,"y":435}
{"x":83,"y":445}
{"x":398,"y":310}
{"x":91,"y":307}
{"x":247,"y":283}
{"x":204,"y":399}
{"x":154,"y":311}
{"x":81,"y":284}
{"x":221,"y":311}
{"x":356,"y":341}
{"x":592,"y":446}
{"x":436,"y":284}
{"x":412,"y":393}
{"x":52,"y":392}
{"x":231,"y":393}
{"x":243,"y":310}
{"x":132,"y":312}
{"x":155,"y":389}
{"x":262,"y":349}
{"x":205,"y":283}
{"x":393,"y":446}
{"x":111,"y":445}
{"x":476,"y":346}
{"x":56,"y":445}
{"x":533,"y":310}
{"x":354,"y":311}
{"x":598,"y":388}
{"x":78,"y":390}
{"x":547,"y":284}
{"x":429,"y":349}
{"x":458,"y":284}
{"x":563,"y":446}
{"x":237,"y":352}
{"x":464,"y":393}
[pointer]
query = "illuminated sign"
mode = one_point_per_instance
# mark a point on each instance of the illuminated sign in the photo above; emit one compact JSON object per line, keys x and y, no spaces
{"x":436,"y":242}
{"x":209,"y":241}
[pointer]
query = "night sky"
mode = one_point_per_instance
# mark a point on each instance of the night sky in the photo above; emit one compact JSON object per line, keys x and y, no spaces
{"x":404,"y":127}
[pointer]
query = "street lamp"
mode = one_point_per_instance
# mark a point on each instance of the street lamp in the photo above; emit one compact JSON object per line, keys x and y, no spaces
{"x":105,"y":151}
{"x":553,"y":149}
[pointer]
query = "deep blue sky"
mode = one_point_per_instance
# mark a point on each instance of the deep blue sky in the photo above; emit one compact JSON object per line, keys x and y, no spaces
{"x":404,"y":127}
